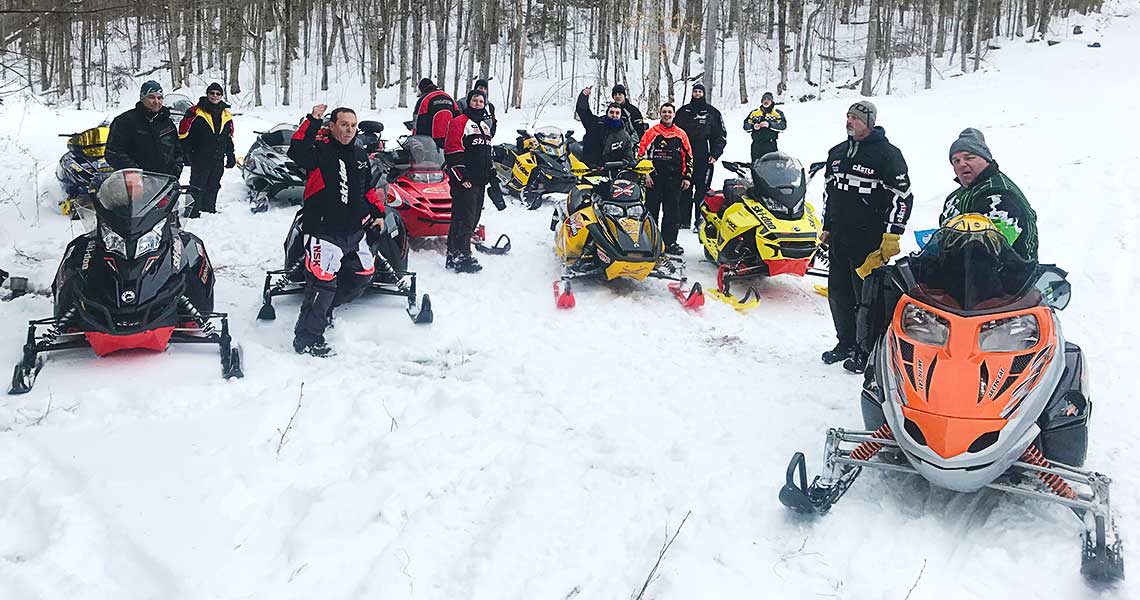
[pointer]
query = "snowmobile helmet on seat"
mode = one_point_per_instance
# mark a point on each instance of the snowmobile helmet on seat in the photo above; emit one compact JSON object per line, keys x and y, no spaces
{"x":778,"y":181}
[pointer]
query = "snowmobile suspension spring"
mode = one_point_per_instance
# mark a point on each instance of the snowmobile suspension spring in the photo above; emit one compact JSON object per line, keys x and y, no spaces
{"x":1033,"y":456}
{"x":866,"y":450}
{"x":185,"y":304}
{"x":60,"y":324}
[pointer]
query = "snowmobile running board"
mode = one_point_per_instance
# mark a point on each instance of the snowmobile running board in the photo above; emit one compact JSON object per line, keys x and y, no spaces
{"x":279,"y":283}
{"x":56,"y":338}
{"x":1102,"y":546}
{"x":501,"y":246}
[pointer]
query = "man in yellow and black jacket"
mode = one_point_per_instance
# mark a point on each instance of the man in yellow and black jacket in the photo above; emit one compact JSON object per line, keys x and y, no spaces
{"x":765,"y":123}
{"x":207,"y":134}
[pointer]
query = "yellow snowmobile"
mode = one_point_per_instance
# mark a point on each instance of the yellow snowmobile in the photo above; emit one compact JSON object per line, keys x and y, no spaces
{"x":604,"y":231}
{"x":538,"y":168}
{"x":761,"y":225}
{"x":81,"y":167}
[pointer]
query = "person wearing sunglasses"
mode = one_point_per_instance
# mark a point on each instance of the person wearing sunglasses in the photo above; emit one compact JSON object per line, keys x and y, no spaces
{"x":207,"y":134}
{"x":144,"y":137}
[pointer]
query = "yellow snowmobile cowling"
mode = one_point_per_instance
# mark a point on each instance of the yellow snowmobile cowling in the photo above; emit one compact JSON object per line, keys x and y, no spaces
{"x":576,"y":231}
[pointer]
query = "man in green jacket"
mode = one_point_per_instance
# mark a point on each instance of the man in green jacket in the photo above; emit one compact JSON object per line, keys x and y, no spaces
{"x":987,"y":191}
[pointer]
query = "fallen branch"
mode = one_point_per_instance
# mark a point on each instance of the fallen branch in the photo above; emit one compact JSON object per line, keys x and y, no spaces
{"x":660,"y":557}
{"x":916,"y":580}
{"x":289,"y":425}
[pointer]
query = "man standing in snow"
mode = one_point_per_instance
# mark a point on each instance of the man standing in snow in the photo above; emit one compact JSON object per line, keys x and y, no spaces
{"x":493,"y":190}
{"x":766,"y":123}
{"x":339,"y":204}
{"x":144,"y":137}
{"x":630,"y":113}
{"x":468,"y":155}
{"x":867,"y":203}
{"x":985,"y":190}
{"x":433,"y":111}
{"x":707,"y":135}
{"x":668,"y":147}
{"x":207,"y":133}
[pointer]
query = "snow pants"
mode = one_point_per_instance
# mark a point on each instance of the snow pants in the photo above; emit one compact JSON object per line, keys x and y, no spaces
{"x":338,"y":268}
{"x":662,"y":201}
{"x":206,"y":175}
{"x":466,"y":209}
{"x":846,"y":252}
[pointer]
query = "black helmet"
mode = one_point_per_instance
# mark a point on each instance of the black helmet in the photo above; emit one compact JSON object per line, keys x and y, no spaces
{"x":778,"y":182}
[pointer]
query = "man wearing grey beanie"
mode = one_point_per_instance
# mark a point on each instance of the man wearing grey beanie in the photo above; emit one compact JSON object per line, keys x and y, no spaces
{"x":144,"y":137}
{"x":985,"y":190}
{"x":867,"y":202}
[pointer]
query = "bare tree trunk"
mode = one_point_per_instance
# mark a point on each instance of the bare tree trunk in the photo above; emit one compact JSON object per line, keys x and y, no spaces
{"x":712,"y":24}
{"x":741,"y":53}
{"x":235,"y":49}
{"x":403,"y":16}
{"x":782,"y":44}
{"x":928,"y":33}
{"x":869,"y":59}
{"x":653,"y":53}
{"x":441,"y":24}
{"x":289,"y":52}
{"x":172,"y":44}
{"x":522,"y":21}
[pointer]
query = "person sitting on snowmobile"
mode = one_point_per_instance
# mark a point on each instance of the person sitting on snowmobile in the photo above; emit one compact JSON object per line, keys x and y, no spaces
{"x":144,"y":137}
{"x":339,"y":203}
{"x":433,"y":111}
{"x":607,"y":138}
{"x":984,"y":189}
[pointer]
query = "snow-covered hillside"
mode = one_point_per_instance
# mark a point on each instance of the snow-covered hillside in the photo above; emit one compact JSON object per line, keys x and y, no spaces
{"x":511,"y":450}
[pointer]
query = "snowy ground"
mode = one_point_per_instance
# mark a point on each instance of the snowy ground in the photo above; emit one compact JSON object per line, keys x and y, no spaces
{"x":510,"y":450}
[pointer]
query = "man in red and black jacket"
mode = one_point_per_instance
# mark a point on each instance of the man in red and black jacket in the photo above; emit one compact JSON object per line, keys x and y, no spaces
{"x":668,"y":147}
{"x":433,"y":111}
{"x":340,"y":203}
{"x":468,"y":154}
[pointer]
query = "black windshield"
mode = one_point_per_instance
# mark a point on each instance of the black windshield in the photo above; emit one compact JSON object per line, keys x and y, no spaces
{"x":970,"y":271}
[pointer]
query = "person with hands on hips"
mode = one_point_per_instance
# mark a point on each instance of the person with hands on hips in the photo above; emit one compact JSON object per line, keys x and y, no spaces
{"x":339,"y":203}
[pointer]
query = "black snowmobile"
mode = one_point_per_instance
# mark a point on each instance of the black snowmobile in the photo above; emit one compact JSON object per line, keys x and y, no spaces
{"x":392,"y":278}
{"x":135,"y":280}
{"x":79,"y":167}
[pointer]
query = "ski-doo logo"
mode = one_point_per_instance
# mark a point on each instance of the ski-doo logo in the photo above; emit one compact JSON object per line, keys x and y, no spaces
{"x":343,"y":182}
{"x":176,"y":254}
{"x":87,"y":252}
{"x":864,"y":170}
{"x":128,"y":297}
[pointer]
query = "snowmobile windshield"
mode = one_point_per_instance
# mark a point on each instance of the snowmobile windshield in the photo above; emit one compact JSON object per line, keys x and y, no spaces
{"x":132,"y":201}
{"x":551,"y":141}
{"x":178,"y":104}
{"x":279,"y":136}
{"x":91,"y":143}
{"x":778,"y":181}
{"x":422,"y":153}
{"x":971,"y":272}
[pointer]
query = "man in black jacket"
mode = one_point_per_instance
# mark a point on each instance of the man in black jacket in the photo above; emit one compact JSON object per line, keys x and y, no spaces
{"x":707,"y":136}
{"x":340,"y":203}
{"x":765,"y":123}
{"x":207,"y":133}
{"x":144,"y":137}
{"x":867,"y":204}
{"x":607,"y":138}
{"x":634,"y":120}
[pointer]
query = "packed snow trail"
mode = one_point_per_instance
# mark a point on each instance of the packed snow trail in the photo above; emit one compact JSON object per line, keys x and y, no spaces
{"x":512,"y":450}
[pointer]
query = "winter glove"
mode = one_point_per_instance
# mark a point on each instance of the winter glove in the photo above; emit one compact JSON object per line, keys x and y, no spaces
{"x":879,"y":257}
{"x":815,"y":168}
{"x":496,"y":194}
{"x":231,"y":161}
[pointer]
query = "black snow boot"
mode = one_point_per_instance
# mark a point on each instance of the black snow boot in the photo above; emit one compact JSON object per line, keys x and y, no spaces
{"x":319,"y":349}
{"x":840,"y":352}
{"x":674,"y":249}
{"x":464,"y":263}
{"x":858,"y":361}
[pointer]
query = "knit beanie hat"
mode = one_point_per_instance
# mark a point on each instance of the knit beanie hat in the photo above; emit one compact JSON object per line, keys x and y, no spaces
{"x":215,"y":87}
{"x":618,"y":89}
{"x":971,"y":140}
{"x":150,"y":87}
{"x":482,"y":83}
{"x":865,"y":111}
{"x":425,"y":83}
{"x":474,"y":93}
{"x":767,"y":96}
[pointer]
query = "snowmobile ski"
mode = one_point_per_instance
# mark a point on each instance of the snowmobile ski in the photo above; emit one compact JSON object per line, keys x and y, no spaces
{"x":691,"y":298}
{"x":820,"y":289}
{"x":563,"y":295}
{"x":750,"y":300}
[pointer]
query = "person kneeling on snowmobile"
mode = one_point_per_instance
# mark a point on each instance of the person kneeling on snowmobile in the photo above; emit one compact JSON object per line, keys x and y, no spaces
{"x":339,"y":204}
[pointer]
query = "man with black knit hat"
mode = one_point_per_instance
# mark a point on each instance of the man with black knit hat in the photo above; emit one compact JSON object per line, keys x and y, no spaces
{"x":707,"y":136}
{"x":339,"y":203}
{"x":985,"y":190}
{"x":207,"y":134}
{"x":607,"y":138}
{"x":765,"y":123}
{"x":630,"y":113}
{"x":483,"y":86}
{"x":867,"y":202}
{"x":144,"y":137}
{"x":432,"y":112}
{"x":467,"y":151}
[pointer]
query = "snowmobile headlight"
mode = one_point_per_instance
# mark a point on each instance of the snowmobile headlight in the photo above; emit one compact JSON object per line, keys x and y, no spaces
{"x":149,"y":241}
{"x":635,"y":212}
{"x":924,"y":326}
{"x":613,"y":210}
{"x":113,"y":241}
{"x":1012,"y":334}
{"x":426,"y":176}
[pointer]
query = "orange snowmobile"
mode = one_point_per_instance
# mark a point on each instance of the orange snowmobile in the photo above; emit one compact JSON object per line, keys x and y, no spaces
{"x":974,"y":386}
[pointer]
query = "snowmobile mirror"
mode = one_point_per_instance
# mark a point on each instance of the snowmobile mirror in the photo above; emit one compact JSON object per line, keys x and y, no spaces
{"x":371,"y":127}
{"x":522,"y":132}
{"x":569,"y":132}
{"x":408,"y":124}
{"x":1055,"y":290}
